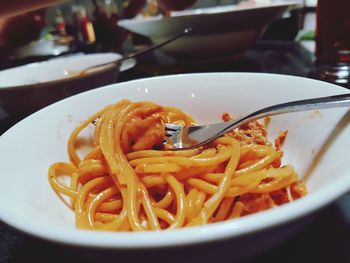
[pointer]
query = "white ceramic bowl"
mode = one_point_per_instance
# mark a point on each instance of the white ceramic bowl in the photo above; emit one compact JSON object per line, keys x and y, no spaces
{"x":27,"y":88}
{"x":217,"y":32}
{"x":317,"y":146}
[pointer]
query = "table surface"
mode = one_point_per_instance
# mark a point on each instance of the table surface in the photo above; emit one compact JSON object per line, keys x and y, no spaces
{"x":325,"y":239}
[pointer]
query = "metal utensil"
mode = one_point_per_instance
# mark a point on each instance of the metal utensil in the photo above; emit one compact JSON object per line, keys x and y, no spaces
{"x":137,"y":54}
{"x":185,"y":137}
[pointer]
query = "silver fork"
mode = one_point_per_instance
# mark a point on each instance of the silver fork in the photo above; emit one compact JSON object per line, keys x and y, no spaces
{"x":188,"y":137}
{"x":134,"y":55}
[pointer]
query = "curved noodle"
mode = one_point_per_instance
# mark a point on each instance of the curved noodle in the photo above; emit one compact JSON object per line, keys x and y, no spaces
{"x":125,"y":184}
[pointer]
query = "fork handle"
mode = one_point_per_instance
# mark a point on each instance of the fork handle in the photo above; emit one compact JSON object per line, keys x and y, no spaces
{"x":293,"y":106}
{"x":139,"y":53}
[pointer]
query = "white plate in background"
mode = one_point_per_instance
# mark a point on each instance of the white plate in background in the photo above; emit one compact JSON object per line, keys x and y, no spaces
{"x":27,"y":88}
{"x":217,"y":32}
{"x":56,"y":69}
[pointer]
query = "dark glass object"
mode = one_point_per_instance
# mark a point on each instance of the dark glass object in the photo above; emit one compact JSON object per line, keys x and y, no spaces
{"x":332,"y":62}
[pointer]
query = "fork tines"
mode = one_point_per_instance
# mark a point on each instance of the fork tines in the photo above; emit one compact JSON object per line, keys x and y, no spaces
{"x":171,"y":129}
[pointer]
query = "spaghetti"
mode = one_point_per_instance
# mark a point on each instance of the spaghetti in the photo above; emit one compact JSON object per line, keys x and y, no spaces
{"x":123,"y":183}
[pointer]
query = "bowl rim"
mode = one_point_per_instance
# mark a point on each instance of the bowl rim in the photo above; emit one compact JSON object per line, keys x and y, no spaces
{"x":125,"y":23}
{"x":116,"y":66}
{"x":195,"y":235}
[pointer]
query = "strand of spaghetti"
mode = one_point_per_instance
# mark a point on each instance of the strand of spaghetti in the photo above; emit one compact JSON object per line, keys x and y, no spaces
{"x":205,"y":153}
{"x":202,"y":186}
{"x":67,"y":169}
{"x":207,"y":158}
{"x":86,"y":177}
{"x":165,"y":201}
{"x":152,"y":153}
{"x":107,"y":143}
{"x":99,"y":124}
{"x":258,"y":165}
{"x":272,"y":172}
{"x":92,"y":166}
{"x":190,"y":204}
{"x":253,"y":181}
{"x":72,"y":138}
{"x":153,"y":180}
{"x":105,"y":217}
{"x":289,"y":194}
{"x":236,"y":210}
{"x":116,"y":224}
{"x":221,"y":156}
{"x":190,"y":172}
{"x":95,"y":153}
{"x":177,"y":188}
{"x":213,"y":202}
{"x":96,"y":201}
{"x":80,"y":214}
{"x":156,"y":168}
{"x":194,"y":203}
{"x":252,"y":153}
{"x":199,"y":202}
{"x":152,"y":219}
{"x":160,"y":156}
{"x":110,"y":206}
{"x":125,"y":226}
{"x":177,"y":165}
{"x":195,"y":171}
{"x":132,"y":206}
{"x":90,"y":169}
{"x":232,"y":191}
{"x":243,"y":184}
{"x":275,"y":184}
{"x":120,"y":222}
{"x":74,"y":186}
{"x":164,"y":215}
{"x":212,"y":177}
{"x":224,"y":209}
{"x":111,"y":222}
{"x":298,"y":189}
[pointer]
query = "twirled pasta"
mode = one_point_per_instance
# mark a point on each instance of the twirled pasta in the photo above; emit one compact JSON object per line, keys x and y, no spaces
{"x":124,"y":184}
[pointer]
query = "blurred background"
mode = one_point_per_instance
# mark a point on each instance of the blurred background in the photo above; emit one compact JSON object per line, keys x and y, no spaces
{"x":91,"y":26}
{"x":269,"y":36}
